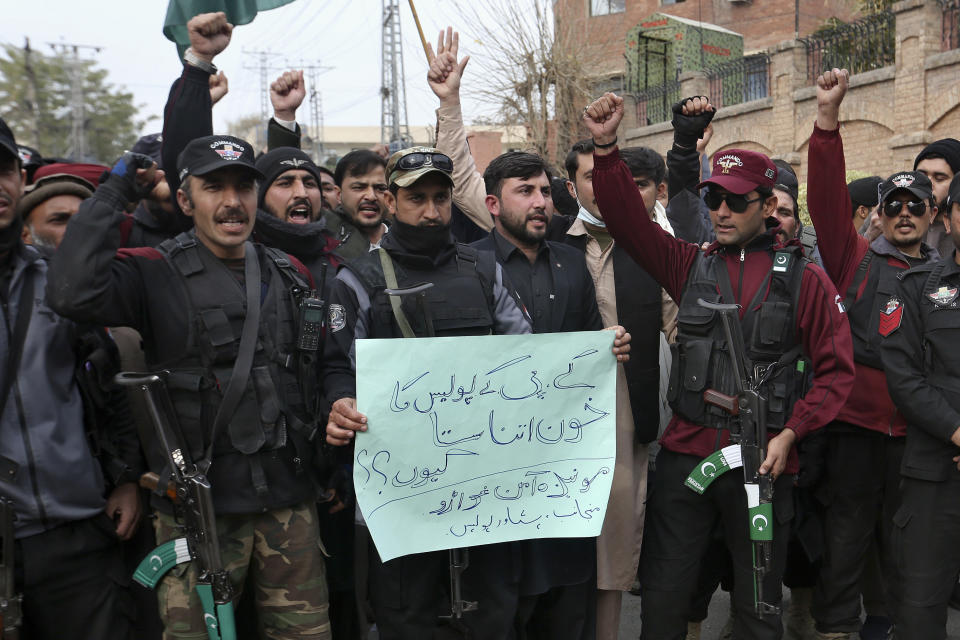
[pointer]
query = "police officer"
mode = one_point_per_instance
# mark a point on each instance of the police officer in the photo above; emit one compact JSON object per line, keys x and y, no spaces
{"x":221,"y":314}
{"x":922,"y":363}
{"x":866,"y":441}
{"x":469,"y":297}
{"x":788,"y":316}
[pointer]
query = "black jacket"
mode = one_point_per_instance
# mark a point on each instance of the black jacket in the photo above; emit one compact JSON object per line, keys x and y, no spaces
{"x":922,"y":363}
{"x":576,"y":297}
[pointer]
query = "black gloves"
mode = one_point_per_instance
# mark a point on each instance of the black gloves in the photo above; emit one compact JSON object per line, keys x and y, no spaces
{"x":121,"y":186}
{"x":688,"y":129}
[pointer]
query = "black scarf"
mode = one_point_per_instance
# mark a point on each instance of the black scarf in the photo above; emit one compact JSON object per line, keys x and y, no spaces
{"x":431,"y":243}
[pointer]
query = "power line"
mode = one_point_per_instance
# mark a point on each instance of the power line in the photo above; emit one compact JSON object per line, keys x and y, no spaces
{"x":262,"y":66}
{"x":393,"y":95}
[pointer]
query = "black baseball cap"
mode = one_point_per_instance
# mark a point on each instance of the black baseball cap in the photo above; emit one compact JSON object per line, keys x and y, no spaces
{"x":913,"y":181}
{"x":6,"y":140}
{"x":209,"y":153}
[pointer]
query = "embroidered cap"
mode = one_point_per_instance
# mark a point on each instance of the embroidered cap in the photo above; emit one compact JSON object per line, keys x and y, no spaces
{"x":740,"y":171}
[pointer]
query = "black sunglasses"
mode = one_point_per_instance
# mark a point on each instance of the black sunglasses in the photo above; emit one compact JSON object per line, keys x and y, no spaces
{"x":419,"y":160}
{"x":892,"y":208}
{"x":735,"y":202}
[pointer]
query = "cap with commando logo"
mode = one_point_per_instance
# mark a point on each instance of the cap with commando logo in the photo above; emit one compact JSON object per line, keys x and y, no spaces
{"x":913,"y":181}
{"x":740,"y":171}
{"x":209,"y":153}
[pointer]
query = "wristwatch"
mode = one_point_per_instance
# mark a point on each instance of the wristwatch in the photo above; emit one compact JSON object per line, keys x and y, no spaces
{"x":191,"y":59}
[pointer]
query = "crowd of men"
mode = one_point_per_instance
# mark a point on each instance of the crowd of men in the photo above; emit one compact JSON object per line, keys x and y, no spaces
{"x":201,"y":257}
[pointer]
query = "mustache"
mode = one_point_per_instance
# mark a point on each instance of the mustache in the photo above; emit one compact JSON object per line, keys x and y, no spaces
{"x":232,"y":215}
{"x":300,"y":202}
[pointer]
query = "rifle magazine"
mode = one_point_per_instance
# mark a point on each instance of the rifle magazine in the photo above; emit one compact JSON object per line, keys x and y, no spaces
{"x":160,"y":561}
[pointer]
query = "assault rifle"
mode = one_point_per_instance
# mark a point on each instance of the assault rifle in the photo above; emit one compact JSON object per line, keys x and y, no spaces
{"x":193,"y":506}
{"x":10,"y":600}
{"x":459,"y":558}
{"x":748,"y":431}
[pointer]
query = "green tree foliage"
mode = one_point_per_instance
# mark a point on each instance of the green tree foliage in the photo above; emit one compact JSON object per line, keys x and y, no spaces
{"x":35,"y":103}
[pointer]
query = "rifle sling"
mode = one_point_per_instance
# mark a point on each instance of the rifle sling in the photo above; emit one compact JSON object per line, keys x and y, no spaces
{"x":390,"y":276}
{"x":248,"y":345}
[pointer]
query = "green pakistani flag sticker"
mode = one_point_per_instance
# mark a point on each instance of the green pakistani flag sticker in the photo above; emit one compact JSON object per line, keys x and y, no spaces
{"x":714,"y":466}
{"x":761,"y":515}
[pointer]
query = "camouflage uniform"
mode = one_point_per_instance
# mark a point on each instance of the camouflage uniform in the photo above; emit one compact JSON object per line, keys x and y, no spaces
{"x":282,"y":549}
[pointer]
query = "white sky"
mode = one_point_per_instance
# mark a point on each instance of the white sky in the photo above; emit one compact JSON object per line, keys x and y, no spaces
{"x":343,"y":34}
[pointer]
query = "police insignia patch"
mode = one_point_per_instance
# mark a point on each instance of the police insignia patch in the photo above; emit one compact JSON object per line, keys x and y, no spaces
{"x":944,"y":295}
{"x":890,"y":317}
{"x":337,"y":317}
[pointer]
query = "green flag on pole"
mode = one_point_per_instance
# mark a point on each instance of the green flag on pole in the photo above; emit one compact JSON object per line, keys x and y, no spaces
{"x":238,"y":12}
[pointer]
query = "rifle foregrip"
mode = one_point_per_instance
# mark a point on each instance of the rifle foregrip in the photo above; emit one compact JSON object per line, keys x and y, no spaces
{"x":160,"y":561}
{"x":218,"y":618}
{"x":722,"y":400}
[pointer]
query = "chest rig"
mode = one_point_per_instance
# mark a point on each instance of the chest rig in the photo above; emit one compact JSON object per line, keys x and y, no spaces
{"x":274,"y":407}
{"x":864,"y":313}
{"x":700,"y":359}
{"x":460,"y":303}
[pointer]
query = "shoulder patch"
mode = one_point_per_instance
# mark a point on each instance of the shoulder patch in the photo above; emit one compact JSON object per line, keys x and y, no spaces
{"x":890,"y":316}
{"x":944,"y":295}
{"x":337,"y":317}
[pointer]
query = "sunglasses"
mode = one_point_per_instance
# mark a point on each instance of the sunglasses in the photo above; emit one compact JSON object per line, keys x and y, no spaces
{"x":420,"y":160}
{"x":892,"y":208}
{"x":735,"y":202}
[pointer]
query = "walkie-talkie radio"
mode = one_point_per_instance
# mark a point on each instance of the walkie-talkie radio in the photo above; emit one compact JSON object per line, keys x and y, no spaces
{"x":311,"y":322}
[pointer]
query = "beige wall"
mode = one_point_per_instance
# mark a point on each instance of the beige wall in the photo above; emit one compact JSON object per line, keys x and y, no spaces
{"x":887,"y":117}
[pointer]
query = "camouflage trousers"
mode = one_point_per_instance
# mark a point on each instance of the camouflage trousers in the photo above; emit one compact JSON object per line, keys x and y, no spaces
{"x":280,"y":550}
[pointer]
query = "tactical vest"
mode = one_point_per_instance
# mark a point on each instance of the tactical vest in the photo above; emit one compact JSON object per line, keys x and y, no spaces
{"x":700,"y":357}
{"x":273,"y":411}
{"x":864,"y":312}
{"x":460,"y":303}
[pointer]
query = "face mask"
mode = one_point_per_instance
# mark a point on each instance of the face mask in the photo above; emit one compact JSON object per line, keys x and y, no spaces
{"x":426,"y":240}
{"x":586,"y":216}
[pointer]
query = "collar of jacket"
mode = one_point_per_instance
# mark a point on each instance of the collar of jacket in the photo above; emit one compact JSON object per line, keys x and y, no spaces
{"x":883,"y":247}
{"x":301,"y":240}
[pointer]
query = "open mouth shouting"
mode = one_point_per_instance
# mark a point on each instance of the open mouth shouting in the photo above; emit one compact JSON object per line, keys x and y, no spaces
{"x":300,"y":212}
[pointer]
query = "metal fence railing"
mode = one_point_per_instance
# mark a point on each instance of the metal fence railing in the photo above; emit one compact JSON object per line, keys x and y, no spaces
{"x":950,"y":25}
{"x":740,"y":80}
{"x":654,"y":103}
{"x":869,"y":43}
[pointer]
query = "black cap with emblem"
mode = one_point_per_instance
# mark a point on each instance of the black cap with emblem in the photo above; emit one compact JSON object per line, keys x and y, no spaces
{"x":913,"y":181}
{"x":209,"y":153}
{"x":278,"y":161}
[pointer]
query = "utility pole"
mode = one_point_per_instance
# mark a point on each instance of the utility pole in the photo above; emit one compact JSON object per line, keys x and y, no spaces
{"x":393,"y":118}
{"x":262,"y":65}
{"x":70,"y":53}
{"x":32,"y":100}
{"x":312,"y":73}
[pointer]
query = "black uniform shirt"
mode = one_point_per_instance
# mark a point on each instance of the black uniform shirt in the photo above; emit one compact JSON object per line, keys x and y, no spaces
{"x":922,"y":361}
{"x":533,"y":281}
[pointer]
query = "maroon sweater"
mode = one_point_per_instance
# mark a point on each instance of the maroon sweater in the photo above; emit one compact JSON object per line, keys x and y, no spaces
{"x":821,"y":326}
{"x":842,"y":250}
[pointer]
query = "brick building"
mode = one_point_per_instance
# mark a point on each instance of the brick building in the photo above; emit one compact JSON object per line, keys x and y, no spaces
{"x":889,"y":114}
{"x":602,"y":25}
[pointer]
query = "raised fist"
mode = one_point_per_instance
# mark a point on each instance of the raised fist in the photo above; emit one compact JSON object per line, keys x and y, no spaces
{"x":286,"y":94}
{"x":219,"y":87}
{"x":691,"y":117}
{"x":832,"y":86}
{"x":603,"y":116}
{"x":133,"y":177}
{"x":209,"y":34}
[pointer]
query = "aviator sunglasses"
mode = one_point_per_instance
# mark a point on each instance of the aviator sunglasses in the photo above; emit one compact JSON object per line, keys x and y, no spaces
{"x":735,"y":202}
{"x":892,"y":208}
{"x":419,"y":160}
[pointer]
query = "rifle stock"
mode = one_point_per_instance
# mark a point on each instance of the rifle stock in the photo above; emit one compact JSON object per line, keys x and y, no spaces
{"x":10,"y":601}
